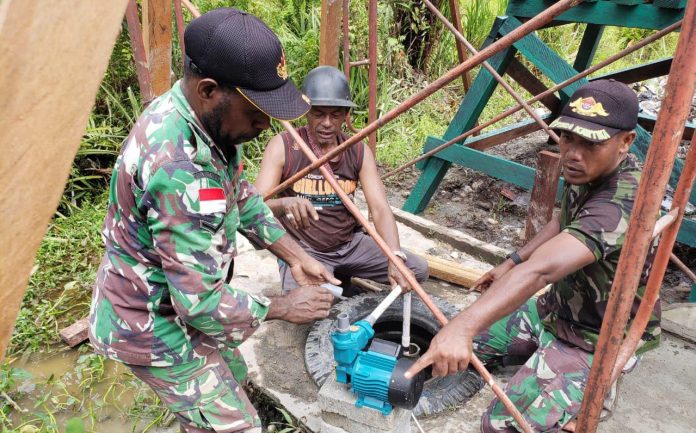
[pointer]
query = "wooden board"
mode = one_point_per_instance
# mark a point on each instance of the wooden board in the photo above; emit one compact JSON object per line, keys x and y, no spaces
{"x":329,"y":31}
{"x":76,"y":333}
{"x":158,"y":43}
{"x":452,"y":272}
{"x":53,"y":54}
{"x":543,"y":197}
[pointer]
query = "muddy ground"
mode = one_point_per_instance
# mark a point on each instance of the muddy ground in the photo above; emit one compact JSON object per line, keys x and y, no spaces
{"x":494,"y":211}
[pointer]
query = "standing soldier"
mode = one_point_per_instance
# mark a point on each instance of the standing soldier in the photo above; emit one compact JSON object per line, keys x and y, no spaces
{"x":178,"y":195}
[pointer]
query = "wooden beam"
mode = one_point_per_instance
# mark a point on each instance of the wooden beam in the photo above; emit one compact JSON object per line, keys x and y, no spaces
{"x":543,"y":193}
{"x":648,"y":122}
{"x":135,"y":34}
{"x":588,"y":47}
{"x":452,"y":272}
{"x":670,"y":4}
{"x":329,"y":31}
{"x":518,"y":72}
{"x":50,"y":76}
{"x":158,"y":43}
{"x":76,"y":333}
{"x":504,"y":134}
{"x":633,"y":74}
{"x":462,"y":53}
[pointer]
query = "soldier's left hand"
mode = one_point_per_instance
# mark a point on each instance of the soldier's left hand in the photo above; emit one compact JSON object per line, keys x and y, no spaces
{"x":395,"y":277}
{"x":309,"y":272}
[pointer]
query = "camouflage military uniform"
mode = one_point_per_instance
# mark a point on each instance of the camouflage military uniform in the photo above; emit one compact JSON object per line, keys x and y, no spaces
{"x":160,"y":303}
{"x":560,"y":329}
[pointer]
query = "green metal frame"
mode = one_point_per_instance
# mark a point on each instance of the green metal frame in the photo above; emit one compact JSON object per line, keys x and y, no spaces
{"x":597,"y":14}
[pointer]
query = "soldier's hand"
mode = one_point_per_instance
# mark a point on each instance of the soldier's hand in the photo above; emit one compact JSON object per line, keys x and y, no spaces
{"x":483,"y":283}
{"x":302,"y":305}
{"x":449,"y":352}
{"x":298,"y":212}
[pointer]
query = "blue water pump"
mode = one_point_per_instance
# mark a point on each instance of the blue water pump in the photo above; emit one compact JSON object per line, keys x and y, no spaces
{"x":376,"y":375}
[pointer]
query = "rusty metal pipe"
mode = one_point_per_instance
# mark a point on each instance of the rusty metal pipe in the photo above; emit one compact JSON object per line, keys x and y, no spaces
{"x":461,"y":53}
{"x":401,"y":266}
{"x":543,"y":18}
{"x":657,"y":169}
{"x":194,"y":11}
{"x":179,"y":14}
{"x":372,"y":73}
{"x":135,"y":33}
{"x":659,"y":267}
{"x":682,"y":267}
{"x":542,"y":95}
{"x":346,"y":54}
{"x":462,"y":40}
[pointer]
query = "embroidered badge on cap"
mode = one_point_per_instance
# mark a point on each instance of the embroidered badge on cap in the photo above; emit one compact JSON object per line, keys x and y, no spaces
{"x":282,"y":68}
{"x":588,"y":107}
{"x":212,"y":200}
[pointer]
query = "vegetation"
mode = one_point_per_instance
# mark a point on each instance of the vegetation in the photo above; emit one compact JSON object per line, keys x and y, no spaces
{"x":414,"y":49}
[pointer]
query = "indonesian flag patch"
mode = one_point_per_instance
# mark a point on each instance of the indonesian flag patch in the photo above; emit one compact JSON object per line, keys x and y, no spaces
{"x":212,"y":200}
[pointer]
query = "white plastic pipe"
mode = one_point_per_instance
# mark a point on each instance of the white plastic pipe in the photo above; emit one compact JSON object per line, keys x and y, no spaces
{"x":382,"y":307}
{"x":406,"y":330}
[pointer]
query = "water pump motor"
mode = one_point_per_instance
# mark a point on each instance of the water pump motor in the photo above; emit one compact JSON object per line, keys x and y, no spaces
{"x":376,"y":374}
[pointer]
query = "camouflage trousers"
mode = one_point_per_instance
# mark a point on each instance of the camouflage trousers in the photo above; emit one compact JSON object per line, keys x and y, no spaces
{"x":205,"y":395}
{"x":548,"y":388}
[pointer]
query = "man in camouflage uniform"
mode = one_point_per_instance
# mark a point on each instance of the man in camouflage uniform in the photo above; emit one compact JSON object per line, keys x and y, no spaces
{"x":178,"y":195}
{"x":578,"y":252}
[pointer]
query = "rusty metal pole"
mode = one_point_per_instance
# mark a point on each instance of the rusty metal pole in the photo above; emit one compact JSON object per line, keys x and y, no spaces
{"x":658,"y":166}
{"x":534,"y":23}
{"x":461,"y":52}
{"x":180,"y":26}
{"x":190,"y":6}
{"x":372,"y":73}
{"x":135,"y":34}
{"x":539,"y":97}
{"x":353,"y":209}
{"x":346,"y":54}
{"x":461,"y":39}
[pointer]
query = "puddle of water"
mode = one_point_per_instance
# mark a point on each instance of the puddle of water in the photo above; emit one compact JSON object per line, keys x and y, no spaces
{"x":70,"y":383}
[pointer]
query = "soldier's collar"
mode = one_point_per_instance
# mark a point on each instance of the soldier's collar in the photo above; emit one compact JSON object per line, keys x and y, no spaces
{"x":204,"y":143}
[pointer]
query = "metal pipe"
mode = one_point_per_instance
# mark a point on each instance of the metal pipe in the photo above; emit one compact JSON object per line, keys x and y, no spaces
{"x":406,"y":327}
{"x":401,"y":267}
{"x":657,"y":169}
{"x":360,"y":63}
{"x":665,"y":221}
{"x":372,"y":73}
{"x":346,"y":55}
{"x":179,"y":14}
{"x":659,"y":267}
{"x":543,"y":18}
{"x":461,"y":53}
{"x":462,"y":40}
{"x":194,"y":11}
{"x":540,"y":96}
{"x":681,"y":265}
{"x":382,"y":307}
{"x":147,"y":93}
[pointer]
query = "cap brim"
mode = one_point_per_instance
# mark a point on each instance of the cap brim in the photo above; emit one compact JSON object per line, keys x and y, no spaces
{"x":585,"y":129}
{"x":284,"y":103}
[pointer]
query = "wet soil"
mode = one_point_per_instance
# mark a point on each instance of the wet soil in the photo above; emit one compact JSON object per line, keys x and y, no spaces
{"x":495,"y":211}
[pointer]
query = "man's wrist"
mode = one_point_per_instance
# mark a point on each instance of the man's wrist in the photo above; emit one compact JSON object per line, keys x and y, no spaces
{"x":515,"y":258}
{"x":400,"y":254}
{"x":278,"y":308}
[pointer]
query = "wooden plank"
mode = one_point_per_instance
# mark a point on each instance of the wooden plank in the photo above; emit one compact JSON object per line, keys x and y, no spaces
{"x":543,"y":196}
{"x":52,"y":59}
{"x":504,"y":134}
{"x":452,"y":272}
{"x":644,"y":16}
{"x":329,"y":31}
{"x":670,"y":4}
{"x":588,"y":47}
{"x":135,"y":35}
{"x":76,"y":333}
{"x":633,"y":74}
{"x":159,"y":43}
{"x":474,"y":247}
{"x":680,"y":319}
{"x":518,"y":72}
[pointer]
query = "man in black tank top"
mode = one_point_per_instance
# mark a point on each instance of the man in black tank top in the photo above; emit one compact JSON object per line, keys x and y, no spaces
{"x":312,"y":212}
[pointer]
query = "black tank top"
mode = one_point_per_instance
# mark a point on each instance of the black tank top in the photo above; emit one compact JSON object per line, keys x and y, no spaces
{"x":336,"y":225}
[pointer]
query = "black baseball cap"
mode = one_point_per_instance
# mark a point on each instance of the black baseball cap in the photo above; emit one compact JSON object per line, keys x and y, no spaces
{"x":599,"y":110}
{"x":238,"y":49}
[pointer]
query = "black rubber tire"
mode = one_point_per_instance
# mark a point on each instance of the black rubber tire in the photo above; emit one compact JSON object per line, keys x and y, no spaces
{"x":438,"y":394}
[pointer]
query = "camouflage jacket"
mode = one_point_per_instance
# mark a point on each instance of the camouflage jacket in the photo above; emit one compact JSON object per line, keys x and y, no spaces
{"x":597,"y":214}
{"x":175,"y":205}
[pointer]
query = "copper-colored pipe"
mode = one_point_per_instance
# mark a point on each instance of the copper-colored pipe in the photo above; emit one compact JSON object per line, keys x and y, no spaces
{"x":372,"y":73}
{"x":657,"y":169}
{"x":462,"y":40}
{"x":179,"y":14}
{"x":534,"y":23}
{"x":659,"y":267}
{"x":194,"y":11}
{"x":542,"y":95}
{"x":135,"y":33}
{"x":682,"y":267}
{"x":353,"y":209}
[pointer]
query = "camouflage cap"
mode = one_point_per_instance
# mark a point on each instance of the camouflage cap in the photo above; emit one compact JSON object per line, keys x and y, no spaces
{"x":599,"y":110}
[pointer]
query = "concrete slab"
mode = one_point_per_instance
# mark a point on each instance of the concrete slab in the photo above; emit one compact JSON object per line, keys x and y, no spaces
{"x":680,"y":320}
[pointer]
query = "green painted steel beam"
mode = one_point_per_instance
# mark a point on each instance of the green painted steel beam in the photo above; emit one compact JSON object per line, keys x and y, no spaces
{"x":588,"y":47}
{"x":644,"y":16}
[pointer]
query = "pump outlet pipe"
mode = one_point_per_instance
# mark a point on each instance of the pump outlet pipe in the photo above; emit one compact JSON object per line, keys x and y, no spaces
{"x":406,"y":330}
{"x":382,"y":307}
